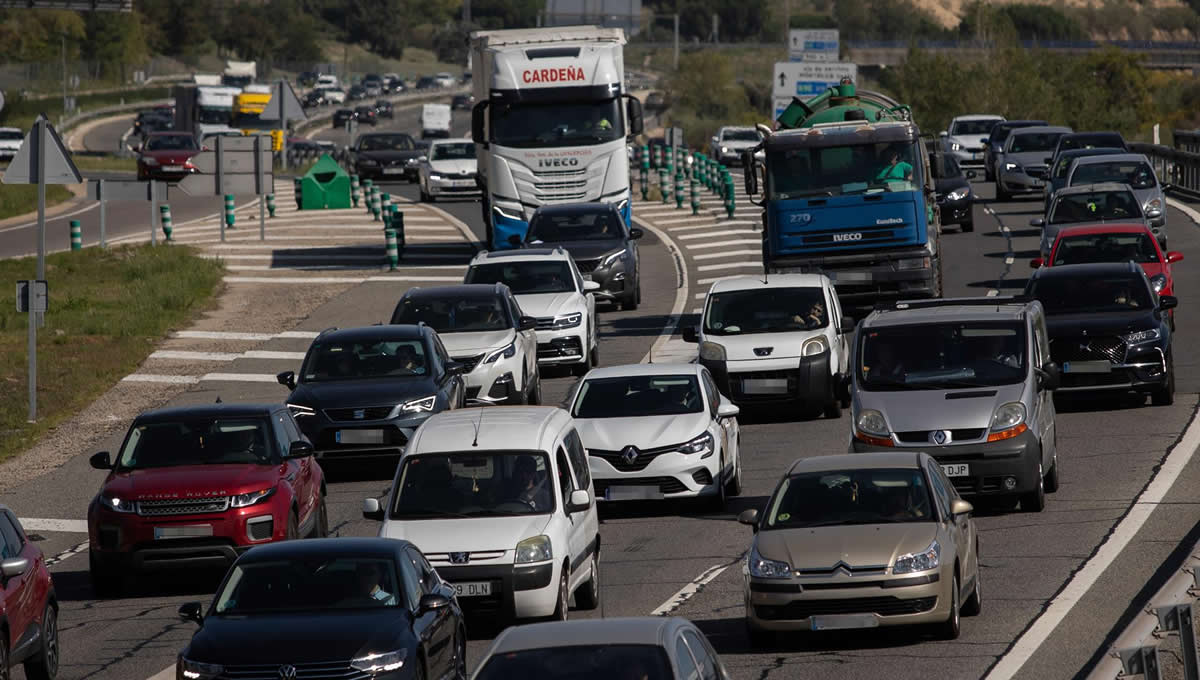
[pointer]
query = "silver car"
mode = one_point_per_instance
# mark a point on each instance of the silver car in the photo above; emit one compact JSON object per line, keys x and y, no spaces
{"x":967,"y":137}
{"x":1023,"y":167}
{"x":727,"y":145}
{"x":1087,"y":204}
{"x":1135,"y":170}
{"x":967,"y":380}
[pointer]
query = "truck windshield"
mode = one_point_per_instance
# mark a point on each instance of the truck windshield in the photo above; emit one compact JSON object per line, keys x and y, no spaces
{"x":1095,"y":207}
{"x":942,"y":356}
{"x":765,"y":310}
{"x":209,"y":114}
{"x":542,"y":124}
{"x":843,"y":170}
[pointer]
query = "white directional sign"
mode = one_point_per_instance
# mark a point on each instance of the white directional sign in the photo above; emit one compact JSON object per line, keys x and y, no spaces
{"x":806,"y":44}
{"x":284,"y":104}
{"x":238,"y":185}
{"x":808,"y":79}
{"x":234,"y":162}
{"x":59,"y":169}
{"x":126,"y":190}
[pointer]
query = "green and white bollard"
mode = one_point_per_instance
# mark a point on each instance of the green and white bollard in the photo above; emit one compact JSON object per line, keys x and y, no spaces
{"x":168,"y":228}
{"x":296,"y":184}
{"x":695,"y":196}
{"x":355,"y":190}
{"x":393,"y":251}
{"x":679,"y":189}
{"x":271,"y":204}
{"x":76,"y":235}
{"x":645,"y":171}
{"x":658,"y":157}
{"x":662,"y":184}
{"x":387,"y":217}
{"x":730,"y":202}
{"x":229,"y":217}
{"x":385,"y":206}
{"x":376,"y":204}
{"x":368,"y":189}
{"x":398,"y":226}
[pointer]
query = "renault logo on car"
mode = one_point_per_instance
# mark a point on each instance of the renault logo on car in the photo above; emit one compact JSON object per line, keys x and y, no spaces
{"x":629,"y":454}
{"x":941,"y":437}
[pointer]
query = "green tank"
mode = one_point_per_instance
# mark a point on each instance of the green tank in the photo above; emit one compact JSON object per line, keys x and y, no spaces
{"x":841,"y":103}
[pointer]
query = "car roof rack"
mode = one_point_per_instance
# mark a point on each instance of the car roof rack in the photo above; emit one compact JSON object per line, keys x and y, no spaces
{"x":979,"y":301}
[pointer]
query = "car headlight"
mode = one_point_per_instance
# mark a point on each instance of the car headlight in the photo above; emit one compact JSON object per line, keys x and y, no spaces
{"x":610,"y":259}
{"x":380,"y":663}
{"x":299,"y":411}
{"x":1142,"y":336}
{"x":149,"y":161}
{"x":912,"y":263}
{"x":435,"y":176}
{"x":958,"y":194}
{"x":246,"y":499}
{"x":1152,"y":204}
{"x":761,"y":567}
{"x":1008,"y":421}
{"x":421,"y":405}
{"x":724,"y":149}
{"x":1158,"y":282}
{"x":568,"y":320}
{"x":194,"y":670}
{"x":1010,"y":167}
{"x":507,"y":352}
{"x":701,"y":444}
{"x":117,"y":504}
{"x":536,"y":549}
{"x":711,"y":351}
{"x":814,"y":346}
{"x":871,"y":421}
{"x":929,"y":558}
{"x":955,"y":146}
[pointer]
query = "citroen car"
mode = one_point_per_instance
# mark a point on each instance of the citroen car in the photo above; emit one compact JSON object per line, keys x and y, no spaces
{"x":604,"y":249}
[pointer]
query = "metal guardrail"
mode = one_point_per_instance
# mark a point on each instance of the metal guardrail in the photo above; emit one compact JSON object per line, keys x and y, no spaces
{"x":1178,"y":166}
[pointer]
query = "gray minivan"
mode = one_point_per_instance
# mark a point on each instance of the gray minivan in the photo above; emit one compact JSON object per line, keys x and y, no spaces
{"x":968,"y":381}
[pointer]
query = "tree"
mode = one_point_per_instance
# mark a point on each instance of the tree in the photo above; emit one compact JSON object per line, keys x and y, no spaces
{"x":379,"y":24}
{"x":115,"y":40}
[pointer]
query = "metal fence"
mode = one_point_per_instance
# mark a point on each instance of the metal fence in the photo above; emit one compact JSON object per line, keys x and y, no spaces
{"x":1178,"y":166}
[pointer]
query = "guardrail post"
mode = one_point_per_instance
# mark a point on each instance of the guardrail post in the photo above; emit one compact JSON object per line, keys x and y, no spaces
{"x":167,"y":226}
{"x":76,"y":235}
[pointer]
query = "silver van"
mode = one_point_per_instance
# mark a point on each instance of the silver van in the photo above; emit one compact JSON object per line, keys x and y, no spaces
{"x":968,"y":381}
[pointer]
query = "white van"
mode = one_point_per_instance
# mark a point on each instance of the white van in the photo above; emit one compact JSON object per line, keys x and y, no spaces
{"x":328,"y":80}
{"x":435,"y":121}
{"x":500,"y":501}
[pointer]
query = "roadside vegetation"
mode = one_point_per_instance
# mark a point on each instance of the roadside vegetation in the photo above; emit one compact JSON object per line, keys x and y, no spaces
{"x":21,"y":199}
{"x":108,"y":309}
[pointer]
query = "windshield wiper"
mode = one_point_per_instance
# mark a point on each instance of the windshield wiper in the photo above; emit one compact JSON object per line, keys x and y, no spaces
{"x":952,"y":384}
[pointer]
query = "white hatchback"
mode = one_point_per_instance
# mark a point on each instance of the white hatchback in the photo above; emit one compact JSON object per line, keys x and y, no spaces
{"x":500,"y":501}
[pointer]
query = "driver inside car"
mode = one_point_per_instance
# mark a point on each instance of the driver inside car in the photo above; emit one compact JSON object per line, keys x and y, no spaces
{"x":526,"y":488}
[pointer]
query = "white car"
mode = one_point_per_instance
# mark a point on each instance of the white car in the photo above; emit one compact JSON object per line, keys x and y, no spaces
{"x":444,"y":79}
{"x":11,"y":139}
{"x":967,"y":137}
{"x":333,"y":95}
{"x":655,"y":431}
{"x":782,"y":341}
{"x":483,"y":328}
{"x":550,"y":288}
{"x":449,"y":169}
{"x":730,"y":141}
{"x":328,"y":80}
{"x":500,"y":501}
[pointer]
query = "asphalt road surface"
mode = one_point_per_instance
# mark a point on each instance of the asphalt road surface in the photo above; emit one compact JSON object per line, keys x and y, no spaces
{"x":680,"y":559}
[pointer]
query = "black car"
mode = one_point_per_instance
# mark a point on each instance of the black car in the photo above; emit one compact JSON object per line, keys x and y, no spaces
{"x":995,"y":143}
{"x":395,"y":85}
{"x":462,"y":101}
{"x":1085,"y":140}
{"x":602,"y":246}
{"x":313,"y":99}
{"x":383,"y":109}
{"x":366,"y":114}
{"x":427,"y":83}
{"x":1109,"y":330}
{"x":342,"y":116}
{"x":387,"y":154}
{"x":356,"y":93}
{"x":955,"y":198}
{"x":307,"y":79}
{"x":152,"y":121}
{"x":334,"y":608}
{"x":363,"y":392}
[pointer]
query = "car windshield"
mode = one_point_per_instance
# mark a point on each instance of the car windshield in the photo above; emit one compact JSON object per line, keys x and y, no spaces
{"x":942,"y":356}
{"x":639,"y":395}
{"x":1065,"y":160}
{"x":847,"y":497}
{"x":309,"y":584}
{"x":1095,"y":206}
{"x":583,"y":662}
{"x":383,"y":358}
{"x":474,"y":484}
{"x":1137,"y":174}
{"x":850,"y":169}
{"x":949,"y":168}
{"x":765,"y":310}
{"x":529,"y":277}
{"x":1091,"y":141}
{"x":973,"y":127}
{"x":386,"y":143}
{"x":1025,"y":142}
{"x":1106,"y":248}
{"x":197,"y":441}
{"x":8,"y":135}
{"x":472,"y":314}
{"x":1087,"y":294}
{"x":577,"y":226}
{"x":453,"y":152}
{"x":1002,"y":130}
{"x":741,"y":136}
{"x":546,"y":124}
{"x":171,"y":143}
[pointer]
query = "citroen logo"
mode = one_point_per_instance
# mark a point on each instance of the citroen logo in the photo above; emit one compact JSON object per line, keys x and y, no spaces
{"x":287,"y":672}
{"x":460,"y":557}
{"x":359,"y":413}
{"x":940,"y":437}
{"x":629,"y":454}
{"x":763,"y":351}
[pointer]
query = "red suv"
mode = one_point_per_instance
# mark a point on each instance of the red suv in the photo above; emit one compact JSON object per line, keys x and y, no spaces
{"x":28,"y":609}
{"x":196,"y":486}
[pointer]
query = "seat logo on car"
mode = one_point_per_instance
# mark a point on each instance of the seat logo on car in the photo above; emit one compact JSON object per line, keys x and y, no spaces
{"x":460,"y":557}
{"x":629,"y":454}
{"x":941,"y":437}
{"x":763,"y":351}
{"x":287,"y":672}
{"x":359,"y":413}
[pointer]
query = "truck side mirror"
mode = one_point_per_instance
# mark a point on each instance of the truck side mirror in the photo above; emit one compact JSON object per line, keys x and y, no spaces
{"x":477,"y":124}
{"x":633,"y":110}
{"x":750,"y":173}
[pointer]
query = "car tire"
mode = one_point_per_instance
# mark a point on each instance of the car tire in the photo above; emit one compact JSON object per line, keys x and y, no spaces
{"x":5,"y":673}
{"x":759,"y":638}
{"x":733,"y":487}
{"x":106,"y":581}
{"x":1165,"y":395}
{"x":968,"y":226}
{"x":321,"y":526}
{"x":44,"y":664}
{"x":950,"y":629}
{"x":535,"y":390}
{"x":1035,"y":501}
{"x":1001,"y":194}
{"x":587,"y":597}
{"x":1051,"y":480}
{"x":293,"y":528}
{"x":424,"y":196}
{"x":563,"y":606}
{"x":459,"y":663}
{"x":974,"y":604}
{"x":630,"y":302}
{"x":718,"y":501}
{"x":594,"y":355}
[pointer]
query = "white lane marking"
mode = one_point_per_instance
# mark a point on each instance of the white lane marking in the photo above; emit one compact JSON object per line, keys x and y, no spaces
{"x":167,"y":673}
{"x":705,"y":282}
{"x":686,"y":593}
{"x":684,"y":220}
{"x":1185,"y":209}
{"x":1086,"y":576}
{"x":728,"y":253}
{"x":723,"y":244}
{"x":271,"y":354}
{"x":992,"y":292}
{"x":228,"y":335}
{"x":1008,"y":260}
{"x":335,"y":279}
{"x":297,"y":334}
{"x":328,"y":257}
{"x":729,"y":265}
{"x":697,"y":310}
{"x":701,"y":296}
{"x":91,"y":206}
{"x":225,"y":356}
{"x":73,"y":550}
{"x":74,"y":526}
{"x":711,"y":234}
{"x":165,"y":379}
{"x":664,"y":338}
{"x":240,"y":377}
{"x":193,"y":379}
{"x":715,"y":224}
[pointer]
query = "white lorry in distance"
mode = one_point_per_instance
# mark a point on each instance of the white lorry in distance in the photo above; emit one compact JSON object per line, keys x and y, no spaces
{"x":435,"y":121}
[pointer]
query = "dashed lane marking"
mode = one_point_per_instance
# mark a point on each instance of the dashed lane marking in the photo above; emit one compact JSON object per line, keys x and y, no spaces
{"x":724,"y":232}
{"x":226,"y":356}
{"x":207,"y":377}
{"x":729,"y":265}
{"x":724,"y":244}
{"x":729,"y":253}
{"x":230,"y":335}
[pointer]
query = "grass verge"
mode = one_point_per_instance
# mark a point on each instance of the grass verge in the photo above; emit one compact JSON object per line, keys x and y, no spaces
{"x":108,"y":308}
{"x":21,"y":199}
{"x":105,"y":163}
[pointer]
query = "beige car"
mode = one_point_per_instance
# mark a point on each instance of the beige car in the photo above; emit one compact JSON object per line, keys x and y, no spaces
{"x":861,"y":541}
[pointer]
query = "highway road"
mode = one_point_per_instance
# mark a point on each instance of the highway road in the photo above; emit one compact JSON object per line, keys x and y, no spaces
{"x":1125,"y":482}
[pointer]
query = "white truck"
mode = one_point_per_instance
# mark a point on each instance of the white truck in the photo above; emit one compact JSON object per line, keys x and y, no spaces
{"x":435,"y":121}
{"x":550,"y":123}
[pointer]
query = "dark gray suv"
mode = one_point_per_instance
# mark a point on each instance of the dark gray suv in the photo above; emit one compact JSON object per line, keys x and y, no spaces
{"x":596,"y":237}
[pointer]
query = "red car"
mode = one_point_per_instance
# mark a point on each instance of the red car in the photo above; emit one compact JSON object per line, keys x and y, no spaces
{"x":1115,"y":243}
{"x":28,"y":608}
{"x":197,"y":486}
{"x":166,"y":156}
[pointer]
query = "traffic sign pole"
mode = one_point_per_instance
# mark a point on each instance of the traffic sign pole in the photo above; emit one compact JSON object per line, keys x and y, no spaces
{"x":153,"y":213}
{"x":103,"y":211}
{"x":39,"y":129}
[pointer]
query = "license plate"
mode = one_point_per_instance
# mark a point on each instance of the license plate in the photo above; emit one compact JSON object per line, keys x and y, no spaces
{"x":473,"y":589}
{"x":850,"y":276}
{"x":957,"y":470}
{"x":189,"y":531}
{"x":765,"y":385}
{"x":976,"y":156}
{"x":462,"y":183}
{"x":359,"y":437}
{"x":1087,"y":367}
{"x":843,"y":621}
{"x":393,"y":171}
{"x":173,"y":168}
{"x":632,"y":493}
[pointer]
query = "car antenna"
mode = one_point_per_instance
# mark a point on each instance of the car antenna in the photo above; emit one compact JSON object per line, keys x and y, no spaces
{"x":477,"y":423}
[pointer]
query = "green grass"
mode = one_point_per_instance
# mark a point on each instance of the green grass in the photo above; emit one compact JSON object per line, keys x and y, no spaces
{"x":108,"y":309}
{"x":21,"y":199}
{"x":105,"y":163}
{"x":20,"y":112}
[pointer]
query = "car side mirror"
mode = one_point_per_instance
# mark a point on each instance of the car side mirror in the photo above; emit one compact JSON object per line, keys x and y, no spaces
{"x":943,"y":133}
{"x":1037,"y":222}
{"x":848,"y":323}
{"x":580,"y":499}
{"x":1049,"y":377}
{"x":432,"y":602}
{"x":1166,"y":302}
{"x":1153,"y":214}
{"x":477,"y":124}
{"x":13,"y":567}
{"x":527,"y":323}
{"x":728,"y":409}
{"x":971,"y":174}
{"x":514,"y":241}
{"x":589,"y":286}
{"x":749,"y":518}
{"x":455,"y":368}
{"x":101,"y":460}
{"x":1036,"y":263}
{"x":636,"y":233}
{"x":192,"y":611}
{"x":1174,"y":256}
{"x":371,"y":510}
{"x":1166,"y":186}
{"x":300,"y":449}
{"x":287,"y":379}
{"x":690,"y":334}
{"x":959,"y":507}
